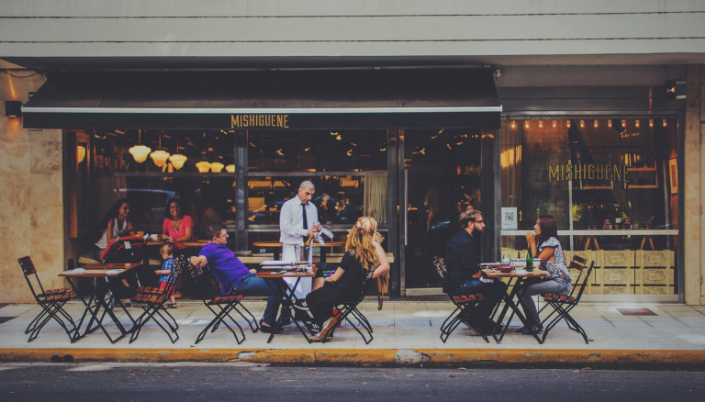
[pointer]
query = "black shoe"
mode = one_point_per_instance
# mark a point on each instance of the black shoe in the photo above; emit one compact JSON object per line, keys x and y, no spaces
{"x":268,"y":330}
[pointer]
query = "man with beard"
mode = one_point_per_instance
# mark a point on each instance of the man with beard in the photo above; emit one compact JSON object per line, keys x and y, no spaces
{"x":462,"y":263}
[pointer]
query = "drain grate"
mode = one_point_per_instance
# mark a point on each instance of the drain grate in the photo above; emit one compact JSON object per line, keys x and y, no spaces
{"x":636,"y":311}
{"x":5,"y":319}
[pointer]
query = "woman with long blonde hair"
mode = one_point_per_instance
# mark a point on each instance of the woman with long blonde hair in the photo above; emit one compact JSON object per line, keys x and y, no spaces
{"x":346,"y":283}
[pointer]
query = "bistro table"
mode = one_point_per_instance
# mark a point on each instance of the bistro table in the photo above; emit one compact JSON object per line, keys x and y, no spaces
{"x":277,"y":246}
{"x":97,"y":301}
{"x":289,"y":297}
{"x":509,"y":297}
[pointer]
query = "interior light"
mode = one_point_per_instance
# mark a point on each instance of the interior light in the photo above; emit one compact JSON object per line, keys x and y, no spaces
{"x":540,"y":123}
{"x":567,"y":124}
{"x":514,"y":124}
{"x":624,"y":124}
{"x":203,"y":166}
{"x":159,"y":157}
{"x":582,"y":123}
{"x":230,"y":168}
{"x":217,"y":167}
{"x":140,"y":153}
{"x":81,"y":153}
{"x":555,"y":123}
{"x":664,"y":123}
{"x":651,"y":122}
{"x":178,"y":160}
{"x":338,"y":137}
{"x":526,"y":124}
{"x":636,"y":123}
{"x":595,"y":123}
{"x":609,"y":123}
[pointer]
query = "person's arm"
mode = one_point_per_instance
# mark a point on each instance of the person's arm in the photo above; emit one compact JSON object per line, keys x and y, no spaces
{"x":337,"y":275}
{"x":383,"y":261}
{"x":165,"y":228}
{"x":547,"y":253}
{"x":200,"y":261}
{"x":109,"y":231}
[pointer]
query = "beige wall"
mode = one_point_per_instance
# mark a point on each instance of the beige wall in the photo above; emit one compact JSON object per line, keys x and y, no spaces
{"x":31,"y":205}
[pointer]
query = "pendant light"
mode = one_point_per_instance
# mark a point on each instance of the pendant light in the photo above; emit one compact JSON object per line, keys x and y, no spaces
{"x":81,"y":153}
{"x":177,"y":160}
{"x":140,"y":152}
{"x":159,"y":156}
{"x":230,"y":168}
{"x":217,"y":167}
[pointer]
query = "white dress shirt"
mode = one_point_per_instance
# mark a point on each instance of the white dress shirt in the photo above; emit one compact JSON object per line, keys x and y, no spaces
{"x":291,"y":221}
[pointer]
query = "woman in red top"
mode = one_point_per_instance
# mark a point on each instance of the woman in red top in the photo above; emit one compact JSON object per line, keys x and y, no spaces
{"x":179,"y":228}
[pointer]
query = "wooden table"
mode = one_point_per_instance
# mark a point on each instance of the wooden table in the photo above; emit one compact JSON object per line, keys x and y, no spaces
{"x":97,"y":300}
{"x":289,"y":298}
{"x":277,"y":246}
{"x":190,"y":244}
{"x":509,"y":297}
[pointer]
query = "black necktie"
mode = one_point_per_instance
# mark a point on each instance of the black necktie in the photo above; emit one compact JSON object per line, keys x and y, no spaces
{"x":305,"y":218}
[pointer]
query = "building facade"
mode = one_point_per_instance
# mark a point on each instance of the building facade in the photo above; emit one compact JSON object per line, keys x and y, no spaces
{"x":408,"y":112}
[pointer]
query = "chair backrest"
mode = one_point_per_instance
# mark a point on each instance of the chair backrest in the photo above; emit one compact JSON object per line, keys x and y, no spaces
{"x":179,"y":264}
{"x":578,"y":263}
{"x":28,"y":270}
{"x":125,"y":249}
{"x":585,"y":280}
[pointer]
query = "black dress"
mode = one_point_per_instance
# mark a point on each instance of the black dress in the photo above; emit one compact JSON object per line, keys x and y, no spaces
{"x":347,"y":288}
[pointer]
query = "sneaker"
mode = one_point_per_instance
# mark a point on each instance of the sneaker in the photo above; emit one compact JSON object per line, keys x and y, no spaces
{"x":301,"y":305}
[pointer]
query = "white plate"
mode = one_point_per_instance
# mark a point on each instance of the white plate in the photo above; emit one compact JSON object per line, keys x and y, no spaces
{"x":521,"y":272}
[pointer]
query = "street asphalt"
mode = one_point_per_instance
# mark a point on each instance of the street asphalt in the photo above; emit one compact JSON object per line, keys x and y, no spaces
{"x":107,"y":382}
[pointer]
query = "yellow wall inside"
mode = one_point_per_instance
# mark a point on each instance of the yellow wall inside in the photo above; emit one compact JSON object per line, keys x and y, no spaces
{"x":31,"y":202}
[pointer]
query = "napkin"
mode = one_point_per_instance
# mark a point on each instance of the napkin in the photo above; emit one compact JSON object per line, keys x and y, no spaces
{"x":113,"y":271}
{"x":75,"y":271}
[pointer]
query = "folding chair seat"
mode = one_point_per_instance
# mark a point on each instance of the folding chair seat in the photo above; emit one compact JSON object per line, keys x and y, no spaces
{"x":153,"y":305}
{"x":220,"y":305}
{"x":52,"y":302}
{"x":349,"y":307}
{"x":464,"y":304}
{"x":563,"y":304}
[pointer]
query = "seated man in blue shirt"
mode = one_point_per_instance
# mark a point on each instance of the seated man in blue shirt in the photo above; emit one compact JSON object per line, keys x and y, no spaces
{"x":462,"y":263}
{"x":232,"y":273}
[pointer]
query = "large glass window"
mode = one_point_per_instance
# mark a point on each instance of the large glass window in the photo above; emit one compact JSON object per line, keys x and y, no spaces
{"x":151,"y":167}
{"x":612,"y":186}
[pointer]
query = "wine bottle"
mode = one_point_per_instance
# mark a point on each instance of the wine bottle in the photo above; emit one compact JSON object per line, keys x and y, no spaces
{"x":529,"y":261}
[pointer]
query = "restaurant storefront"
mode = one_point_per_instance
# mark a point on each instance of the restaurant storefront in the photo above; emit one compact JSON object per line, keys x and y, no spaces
{"x":234,"y":146}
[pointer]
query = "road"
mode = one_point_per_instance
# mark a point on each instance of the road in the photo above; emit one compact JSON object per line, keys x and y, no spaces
{"x":175,"y":382}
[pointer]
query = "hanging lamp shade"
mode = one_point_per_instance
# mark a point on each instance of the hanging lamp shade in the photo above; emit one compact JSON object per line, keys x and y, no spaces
{"x":230,"y":168}
{"x":159,"y":157}
{"x":217,"y":167}
{"x":203,"y":166}
{"x":178,"y":160}
{"x":81,"y":156}
{"x":140,"y":153}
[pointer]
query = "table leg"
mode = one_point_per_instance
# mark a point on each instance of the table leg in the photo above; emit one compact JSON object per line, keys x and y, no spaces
{"x":509,"y":303}
{"x":323,"y":254}
{"x":277,"y":254}
{"x":286,"y":306}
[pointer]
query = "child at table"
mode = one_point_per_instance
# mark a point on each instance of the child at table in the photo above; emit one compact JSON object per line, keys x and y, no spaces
{"x":167,"y":252}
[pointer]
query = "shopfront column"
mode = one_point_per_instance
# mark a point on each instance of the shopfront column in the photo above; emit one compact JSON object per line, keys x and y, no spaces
{"x":693,"y":189}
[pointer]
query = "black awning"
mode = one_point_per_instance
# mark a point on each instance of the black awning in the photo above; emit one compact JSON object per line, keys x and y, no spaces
{"x":280,"y":99}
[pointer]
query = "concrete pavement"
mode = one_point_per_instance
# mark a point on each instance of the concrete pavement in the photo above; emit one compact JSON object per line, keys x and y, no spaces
{"x":405,"y":334}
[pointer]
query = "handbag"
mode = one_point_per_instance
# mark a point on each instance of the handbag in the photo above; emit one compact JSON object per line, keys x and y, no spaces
{"x":381,"y":286}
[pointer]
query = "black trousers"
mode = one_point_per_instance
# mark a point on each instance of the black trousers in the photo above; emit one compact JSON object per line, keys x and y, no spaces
{"x":321,"y":301}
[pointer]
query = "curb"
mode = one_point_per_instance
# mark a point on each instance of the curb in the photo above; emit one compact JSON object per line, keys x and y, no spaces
{"x":368,"y":357}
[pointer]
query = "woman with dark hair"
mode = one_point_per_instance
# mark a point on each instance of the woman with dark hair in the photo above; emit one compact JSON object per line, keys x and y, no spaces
{"x":113,"y":224}
{"x":177,"y":228}
{"x":558,"y":281}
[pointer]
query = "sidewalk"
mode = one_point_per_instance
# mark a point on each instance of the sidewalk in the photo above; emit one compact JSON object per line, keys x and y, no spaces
{"x":405,"y":333}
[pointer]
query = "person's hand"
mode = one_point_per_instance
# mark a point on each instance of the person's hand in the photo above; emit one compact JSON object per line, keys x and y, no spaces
{"x":317,"y":227}
{"x":254,"y":271}
{"x":170,"y":239}
{"x":309,"y":233}
{"x":531,"y":238}
{"x":195,"y":262}
{"x":477,"y":275}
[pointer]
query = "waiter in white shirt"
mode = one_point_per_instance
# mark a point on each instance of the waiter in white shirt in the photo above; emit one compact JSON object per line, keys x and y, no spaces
{"x":298,"y":220}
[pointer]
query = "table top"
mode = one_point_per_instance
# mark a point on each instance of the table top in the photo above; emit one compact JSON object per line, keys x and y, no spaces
{"x":111,"y":265}
{"x":277,"y":244}
{"x":102,"y":272}
{"x":490,"y":273}
{"x":269,"y":274}
{"x":197,"y":243}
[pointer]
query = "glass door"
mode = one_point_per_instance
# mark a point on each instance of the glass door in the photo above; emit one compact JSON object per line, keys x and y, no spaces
{"x":442,"y":178}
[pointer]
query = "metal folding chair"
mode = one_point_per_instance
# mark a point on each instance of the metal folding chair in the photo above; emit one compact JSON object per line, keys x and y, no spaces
{"x":152,"y":302}
{"x":212,"y":298}
{"x":52,"y":302}
{"x":563,"y":304}
{"x":464,"y":304}
{"x":348,"y":308}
